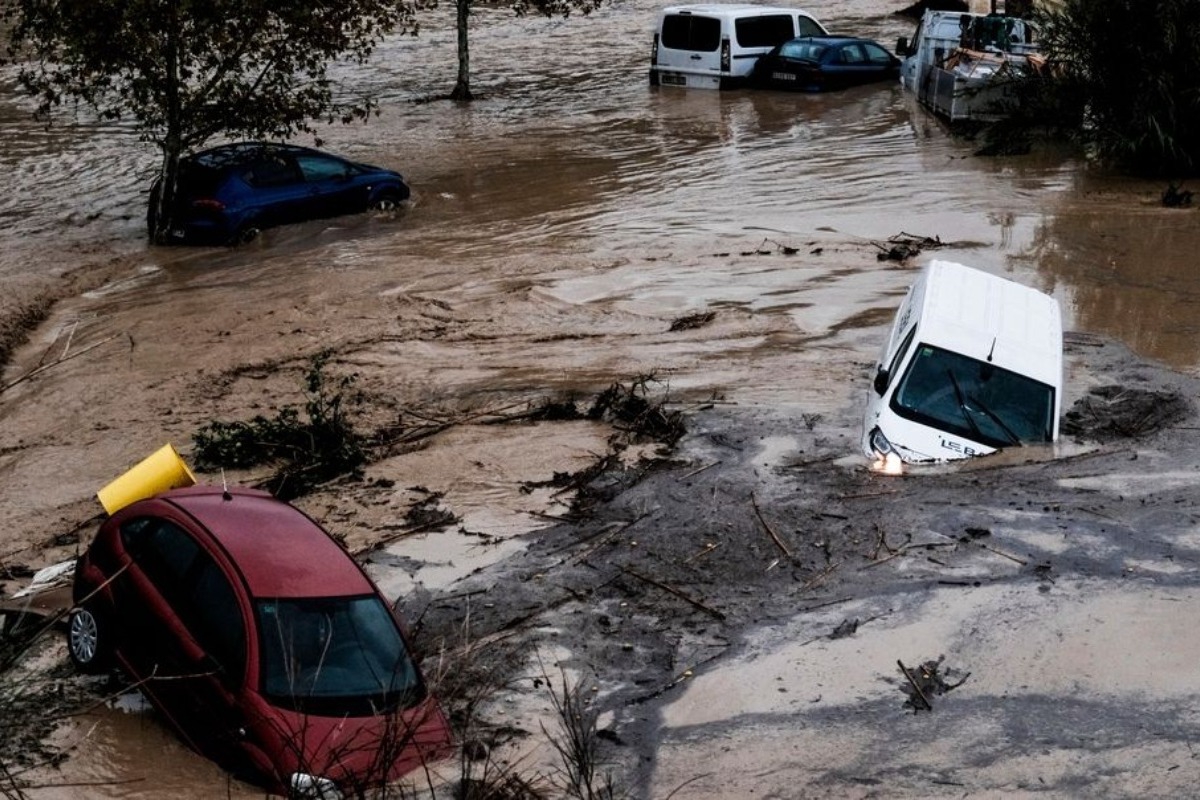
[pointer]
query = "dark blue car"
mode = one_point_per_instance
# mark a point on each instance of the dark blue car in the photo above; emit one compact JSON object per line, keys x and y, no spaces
{"x":228,"y":194}
{"x":821,"y":63}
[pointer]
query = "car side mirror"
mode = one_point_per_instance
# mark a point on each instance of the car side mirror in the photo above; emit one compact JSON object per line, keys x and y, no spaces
{"x":902,"y":46}
{"x":880,"y":383}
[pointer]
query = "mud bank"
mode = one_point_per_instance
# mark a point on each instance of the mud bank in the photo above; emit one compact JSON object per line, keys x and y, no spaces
{"x":742,"y":611}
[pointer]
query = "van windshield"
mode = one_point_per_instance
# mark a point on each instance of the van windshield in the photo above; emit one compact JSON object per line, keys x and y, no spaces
{"x":974,"y":399}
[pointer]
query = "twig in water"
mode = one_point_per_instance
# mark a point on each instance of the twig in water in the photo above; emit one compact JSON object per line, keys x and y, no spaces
{"x":916,"y":687}
{"x":33,"y":373}
{"x":774,"y":536}
{"x":672,"y":590}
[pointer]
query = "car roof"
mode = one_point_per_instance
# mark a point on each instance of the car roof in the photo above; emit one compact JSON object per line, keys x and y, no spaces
{"x":835,"y":41}
{"x":279,"y":550}
{"x":239,"y":153}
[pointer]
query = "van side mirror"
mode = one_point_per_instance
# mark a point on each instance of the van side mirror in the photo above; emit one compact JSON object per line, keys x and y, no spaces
{"x":902,"y":46}
{"x":880,"y":383}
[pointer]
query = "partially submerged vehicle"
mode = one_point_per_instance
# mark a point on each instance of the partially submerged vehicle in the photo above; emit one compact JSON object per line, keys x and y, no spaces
{"x":716,"y":45}
{"x":973,"y":364}
{"x":962,"y":66}
{"x":823,"y":63}
{"x":258,"y":638}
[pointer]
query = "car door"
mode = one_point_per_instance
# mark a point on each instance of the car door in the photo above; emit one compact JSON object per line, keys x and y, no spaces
{"x":884,"y":64}
{"x":330,"y":186}
{"x":276,"y":192}
{"x":184,"y":633}
{"x":850,"y":66}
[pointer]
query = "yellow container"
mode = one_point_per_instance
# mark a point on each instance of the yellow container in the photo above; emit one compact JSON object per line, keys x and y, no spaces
{"x":161,"y":470}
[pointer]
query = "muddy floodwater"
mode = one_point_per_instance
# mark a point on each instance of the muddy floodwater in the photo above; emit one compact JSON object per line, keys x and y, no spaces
{"x":560,"y":225}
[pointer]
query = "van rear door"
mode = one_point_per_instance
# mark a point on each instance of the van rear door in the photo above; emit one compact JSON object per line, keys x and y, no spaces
{"x":689,"y":45}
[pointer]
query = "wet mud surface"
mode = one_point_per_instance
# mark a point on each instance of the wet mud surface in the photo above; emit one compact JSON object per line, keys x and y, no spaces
{"x":745,"y":606}
{"x":738,"y":606}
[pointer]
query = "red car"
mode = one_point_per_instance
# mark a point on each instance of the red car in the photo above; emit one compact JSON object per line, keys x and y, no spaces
{"x":259,"y":638}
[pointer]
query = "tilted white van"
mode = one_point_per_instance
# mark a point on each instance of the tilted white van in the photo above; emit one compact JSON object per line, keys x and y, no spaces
{"x":973,"y":364}
{"x":715,"y":46}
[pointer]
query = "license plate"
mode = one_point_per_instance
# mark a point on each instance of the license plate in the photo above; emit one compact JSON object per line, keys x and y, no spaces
{"x":783,"y":76}
{"x":673,"y":80}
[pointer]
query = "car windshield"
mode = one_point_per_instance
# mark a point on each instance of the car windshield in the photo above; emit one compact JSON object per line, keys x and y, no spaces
{"x":974,"y":399}
{"x":335,"y":656}
{"x":807,"y":51}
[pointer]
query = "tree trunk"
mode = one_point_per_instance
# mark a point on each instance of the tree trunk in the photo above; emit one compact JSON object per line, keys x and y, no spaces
{"x":462,"y":87}
{"x":162,"y":196}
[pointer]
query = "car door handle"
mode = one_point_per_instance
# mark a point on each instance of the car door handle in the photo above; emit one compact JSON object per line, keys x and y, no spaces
{"x":696,"y":57}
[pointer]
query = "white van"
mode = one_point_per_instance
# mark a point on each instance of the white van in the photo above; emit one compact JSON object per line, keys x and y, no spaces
{"x":715,"y":46}
{"x":973,"y":364}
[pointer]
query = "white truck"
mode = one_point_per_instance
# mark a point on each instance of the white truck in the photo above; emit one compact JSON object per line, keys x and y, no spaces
{"x":973,"y":364}
{"x":961,"y":65}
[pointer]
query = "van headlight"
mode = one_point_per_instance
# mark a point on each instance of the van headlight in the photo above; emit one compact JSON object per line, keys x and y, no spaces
{"x":313,"y":787}
{"x":880,"y":444}
{"x":887,"y":460}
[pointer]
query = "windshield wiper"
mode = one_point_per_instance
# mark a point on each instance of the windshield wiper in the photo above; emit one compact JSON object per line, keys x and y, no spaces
{"x":962,"y":404}
{"x":994,"y":417}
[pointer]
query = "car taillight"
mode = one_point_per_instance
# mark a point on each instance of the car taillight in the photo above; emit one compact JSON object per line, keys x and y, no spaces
{"x":726,"y":60}
{"x":208,"y":204}
{"x":654,"y":52}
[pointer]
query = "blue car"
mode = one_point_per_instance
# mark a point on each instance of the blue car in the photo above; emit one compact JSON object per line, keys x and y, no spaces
{"x":821,"y":63}
{"x":229,"y":194}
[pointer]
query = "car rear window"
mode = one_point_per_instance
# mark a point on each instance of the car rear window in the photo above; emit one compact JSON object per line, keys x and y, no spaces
{"x":807,"y":51}
{"x":196,"y":180}
{"x":690,"y":32}
{"x":765,"y":31}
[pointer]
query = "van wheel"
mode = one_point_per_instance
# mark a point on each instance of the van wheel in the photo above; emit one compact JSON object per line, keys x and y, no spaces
{"x":89,"y":642}
{"x":653,"y":78}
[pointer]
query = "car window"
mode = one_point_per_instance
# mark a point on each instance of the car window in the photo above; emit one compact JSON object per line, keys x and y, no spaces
{"x":853,"y":54}
{"x":688,"y":32}
{"x":901,"y":351}
{"x":764,"y":31}
{"x":320,"y":168}
{"x":273,"y":170}
{"x":805,"y":50}
{"x":213,"y":615}
{"x":197,"y":179}
{"x":194,"y":586}
{"x":163,"y":551}
{"x":877,"y":55}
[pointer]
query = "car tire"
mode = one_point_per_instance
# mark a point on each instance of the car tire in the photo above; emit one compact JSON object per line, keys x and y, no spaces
{"x":246,"y":234}
{"x":88,"y":640}
{"x":388,"y":200}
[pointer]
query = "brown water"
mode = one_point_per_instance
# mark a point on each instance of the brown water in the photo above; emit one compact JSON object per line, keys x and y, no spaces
{"x":570,"y":155}
{"x":559,"y":224}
